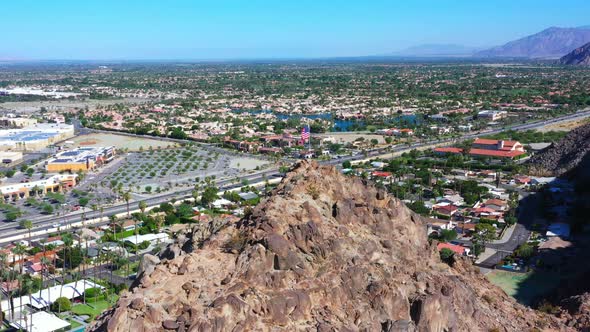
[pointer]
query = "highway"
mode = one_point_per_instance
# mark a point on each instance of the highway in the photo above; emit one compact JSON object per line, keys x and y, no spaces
{"x":44,"y":224}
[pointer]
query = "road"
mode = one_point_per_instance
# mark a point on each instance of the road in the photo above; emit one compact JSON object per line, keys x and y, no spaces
{"x":527,"y":210}
{"x":10,"y":230}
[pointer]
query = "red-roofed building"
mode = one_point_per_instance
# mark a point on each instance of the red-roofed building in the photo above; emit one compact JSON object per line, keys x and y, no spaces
{"x":459,"y":250}
{"x":498,"y":145}
{"x":495,"y":153}
{"x":445,"y":210}
{"x":496,"y":204}
{"x":483,"y":147}
{"x":449,"y":149}
{"x":381,"y":174}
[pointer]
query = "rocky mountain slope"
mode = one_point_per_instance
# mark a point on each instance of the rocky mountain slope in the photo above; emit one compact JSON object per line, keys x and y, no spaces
{"x":324,"y":252}
{"x":579,"y":56}
{"x":563,"y":156}
{"x":549,"y":43}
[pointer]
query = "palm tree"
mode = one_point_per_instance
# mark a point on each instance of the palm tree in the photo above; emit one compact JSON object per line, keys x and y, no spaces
{"x":68,"y":241}
{"x":20,"y":296}
{"x":135,"y":229}
{"x":121,"y":223}
{"x":28,"y":285}
{"x":127,"y":197}
{"x":101,"y":210}
{"x":20,"y":251}
{"x":28,"y":225}
{"x":82,"y":270}
{"x":195,"y":194}
{"x":2,"y":279}
{"x":45,"y":273}
{"x":94,"y":207}
{"x":113,"y":220}
{"x":159,"y":221}
{"x":142,"y":206}
{"x":8,"y":275}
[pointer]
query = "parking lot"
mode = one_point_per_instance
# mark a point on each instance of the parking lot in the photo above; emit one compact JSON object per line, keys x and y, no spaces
{"x":161,"y":170}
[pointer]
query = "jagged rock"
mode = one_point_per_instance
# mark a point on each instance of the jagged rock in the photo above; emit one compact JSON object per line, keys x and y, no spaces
{"x":324,"y":252}
{"x":147,"y":265}
{"x":579,"y":56}
{"x":563,"y":156}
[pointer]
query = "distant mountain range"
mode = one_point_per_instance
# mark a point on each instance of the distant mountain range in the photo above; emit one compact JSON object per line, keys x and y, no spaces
{"x":437,"y":50}
{"x":579,"y":56}
{"x":550,"y":43}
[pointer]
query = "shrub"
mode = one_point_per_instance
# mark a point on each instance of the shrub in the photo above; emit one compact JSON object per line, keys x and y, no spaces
{"x":447,"y":256}
{"x":61,"y":304}
{"x":547,"y":307}
{"x":313,"y":191}
{"x":488,"y":298}
{"x":92,"y":292}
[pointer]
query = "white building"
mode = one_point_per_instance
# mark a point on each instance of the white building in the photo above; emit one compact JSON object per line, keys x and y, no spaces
{"x":151,"y":238}
{"x":54,"y":183}
{"x":492,"y":115}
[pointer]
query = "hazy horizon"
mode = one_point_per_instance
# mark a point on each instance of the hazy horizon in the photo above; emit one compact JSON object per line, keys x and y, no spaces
{"x":233,"y":30}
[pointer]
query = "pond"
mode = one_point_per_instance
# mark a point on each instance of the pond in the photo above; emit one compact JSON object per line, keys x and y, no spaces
{"x":340,"y":124}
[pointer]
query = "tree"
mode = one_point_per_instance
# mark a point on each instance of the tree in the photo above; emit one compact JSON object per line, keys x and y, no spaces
{"x":209,"y":195}
{"x":142,"y":205}
{"x":418,"y":207}
{"x":525,"y":251}
{"x":347,"y":164}
{"x":3,"y":278}
{"x":127,"y":197}
{"x":388,"y":140}
{"x":28,"y":286}
{"x":83,"y":201}
{"x":113,"y":221}
{"x":178,"y":133}
{"x":19,"y":250}
{"x":61,"y":304}
{"x":484,"y":233}
{"x":46,"y":263}
{"x":447,"y":235}
{"x":447,"y":256}
{"x":28,"y":225}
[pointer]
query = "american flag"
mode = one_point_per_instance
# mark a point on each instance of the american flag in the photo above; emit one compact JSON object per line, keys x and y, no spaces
{"x":305,"y":133}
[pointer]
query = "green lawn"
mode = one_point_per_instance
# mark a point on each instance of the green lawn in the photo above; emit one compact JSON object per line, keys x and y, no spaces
{"x":524,"y":287}
{"x":91,"y":309}
{"x":122,"y":272}
{"x":72,"y":322}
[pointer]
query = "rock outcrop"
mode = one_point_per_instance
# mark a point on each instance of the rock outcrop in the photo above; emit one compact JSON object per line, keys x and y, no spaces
{"x":579,"y":56}
{"x":563,"y":156}
{"x":324,"y":252}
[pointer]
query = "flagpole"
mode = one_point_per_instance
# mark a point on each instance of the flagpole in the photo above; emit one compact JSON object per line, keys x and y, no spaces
{"x":309,"y":131}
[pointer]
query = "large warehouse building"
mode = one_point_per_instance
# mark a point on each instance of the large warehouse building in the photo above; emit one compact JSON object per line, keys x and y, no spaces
{"x":34,"y":137}
{"x":81,"y":159}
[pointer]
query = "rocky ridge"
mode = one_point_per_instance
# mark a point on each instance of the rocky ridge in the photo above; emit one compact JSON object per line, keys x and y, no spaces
{"x":579,"y":56}
{"x":563,"y":156}
{"x":553,"y":42}
{"x":324,"y":252}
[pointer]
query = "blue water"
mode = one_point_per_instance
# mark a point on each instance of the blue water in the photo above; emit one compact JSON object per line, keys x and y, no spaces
{"x":339,"y":124}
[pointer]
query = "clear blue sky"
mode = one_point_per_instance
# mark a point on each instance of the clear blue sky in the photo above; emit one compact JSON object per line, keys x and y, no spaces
{"x":230,"y":29}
